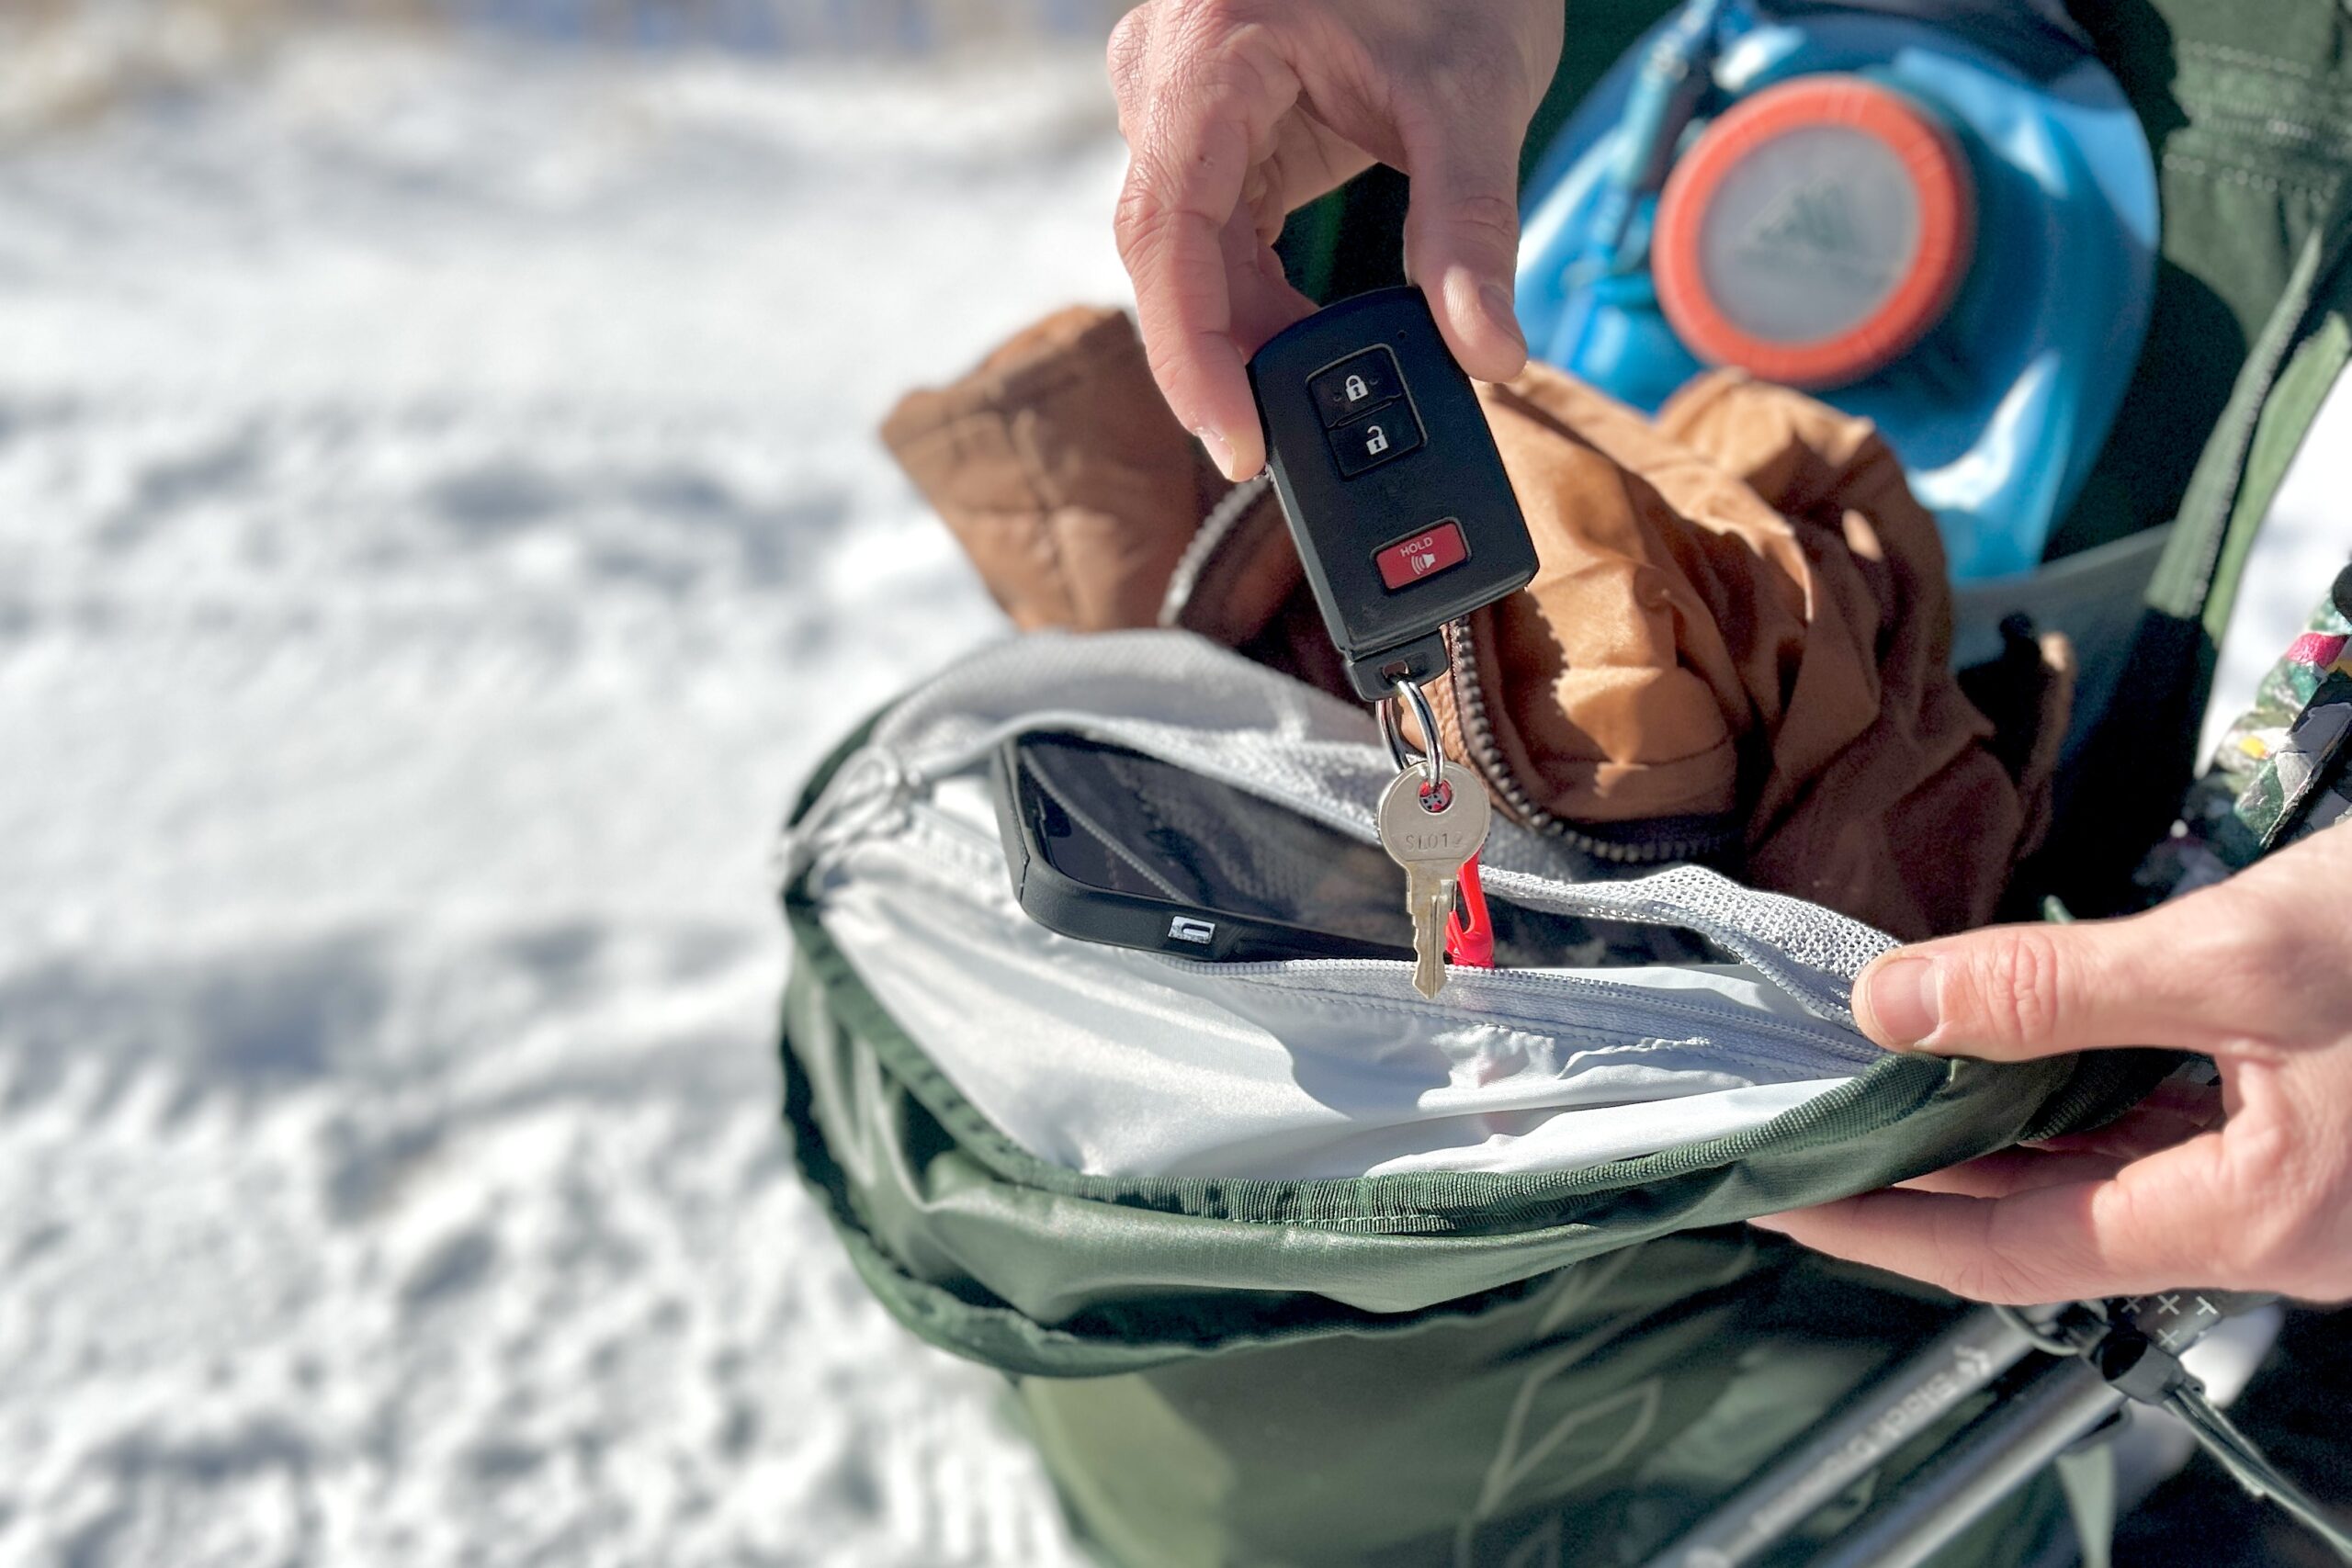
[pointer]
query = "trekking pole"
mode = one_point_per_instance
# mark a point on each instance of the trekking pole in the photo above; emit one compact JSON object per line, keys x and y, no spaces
{"x":1995,"y":1456}
{"x":2130,"y":1353}
{"x":2134,"y":1354}
{"x":1887,"y":1414}
{"x":2128,"y":1349}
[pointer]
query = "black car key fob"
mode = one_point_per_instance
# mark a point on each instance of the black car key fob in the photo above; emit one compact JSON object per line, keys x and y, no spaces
{"x":1390,"y":480}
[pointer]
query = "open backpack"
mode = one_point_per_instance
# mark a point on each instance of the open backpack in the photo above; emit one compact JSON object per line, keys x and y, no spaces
{"x":1286,"y":1264}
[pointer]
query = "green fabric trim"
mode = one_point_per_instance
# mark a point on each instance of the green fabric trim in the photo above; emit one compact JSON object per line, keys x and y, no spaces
{"x":985,"y":1250}
{"x":2182,"y":587}
{"x":2310,"y":374}
{"x":1467,"y":1203}
{"x":2142,"y":756}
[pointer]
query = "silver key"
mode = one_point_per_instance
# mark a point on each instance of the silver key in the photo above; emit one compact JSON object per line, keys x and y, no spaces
{"x":1430,"y":832}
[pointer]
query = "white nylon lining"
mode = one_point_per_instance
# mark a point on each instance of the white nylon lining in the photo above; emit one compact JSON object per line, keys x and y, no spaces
{"x":1119,"y":1063}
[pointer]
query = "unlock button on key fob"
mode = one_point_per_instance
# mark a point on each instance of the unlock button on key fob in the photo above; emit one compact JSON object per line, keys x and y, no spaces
{"x":1375,"y":438}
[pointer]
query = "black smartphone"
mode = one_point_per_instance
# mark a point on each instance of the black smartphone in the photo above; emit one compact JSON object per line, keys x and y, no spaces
{"x":1110,"y":845}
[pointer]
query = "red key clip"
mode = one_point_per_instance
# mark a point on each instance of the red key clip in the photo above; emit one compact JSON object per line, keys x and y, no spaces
{"x":1469,"y":940}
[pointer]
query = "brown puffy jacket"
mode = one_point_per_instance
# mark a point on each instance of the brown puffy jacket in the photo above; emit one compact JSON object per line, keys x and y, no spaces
{"x":1740,"y":621}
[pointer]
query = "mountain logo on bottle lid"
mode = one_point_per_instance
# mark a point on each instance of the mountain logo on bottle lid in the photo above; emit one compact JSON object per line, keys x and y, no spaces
{"x":1814,"y":224}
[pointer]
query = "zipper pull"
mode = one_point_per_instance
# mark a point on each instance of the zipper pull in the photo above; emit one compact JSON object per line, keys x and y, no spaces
{"x":1468,"y":938}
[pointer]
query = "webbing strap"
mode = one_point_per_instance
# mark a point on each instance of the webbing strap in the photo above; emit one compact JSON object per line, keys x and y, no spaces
{"x":2087,"y":1475}
{"x":2143,"y":753}
{"x":2286,"y":376}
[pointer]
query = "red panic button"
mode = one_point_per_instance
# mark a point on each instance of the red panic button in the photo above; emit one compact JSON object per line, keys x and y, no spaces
{"x":1424,"y":555}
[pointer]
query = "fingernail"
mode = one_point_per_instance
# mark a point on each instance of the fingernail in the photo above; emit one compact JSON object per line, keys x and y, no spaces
{"x":1496,"y":300}
{"x":1899,"y":999}
{"x":1220,"y":449}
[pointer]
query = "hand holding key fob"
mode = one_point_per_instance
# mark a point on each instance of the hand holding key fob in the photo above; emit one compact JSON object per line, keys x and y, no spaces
{"x":1390,"y":480}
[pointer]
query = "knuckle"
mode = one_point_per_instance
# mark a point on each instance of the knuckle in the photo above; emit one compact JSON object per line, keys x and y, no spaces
{"x":1143,"y":220}
{"x":2293,"y":1181}
{"x":1206,"y":25}
{"x":1179,"y":61}
{"x":1169,"y":357}
{"x":1239,"y":69}
{"x":1988,"y":1276}
{"x":1222,"y":16}
{"x":1137,"y":218}
{"x":1477,"y":73}
{"x":2288,"y":972}
{"x":1487,"y":219}
{"x":1463,"y":82}
{"x":1979,"y":1268}
{"x":1980,"y":1279}
{"x":1124,"y":52}
{"x":1161,"y":358}
{"x":2015,"y":988}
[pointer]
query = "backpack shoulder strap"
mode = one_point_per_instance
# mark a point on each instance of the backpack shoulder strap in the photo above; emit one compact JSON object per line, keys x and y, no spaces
{"x":2143,"y":754}
{"x":2288,"y":375}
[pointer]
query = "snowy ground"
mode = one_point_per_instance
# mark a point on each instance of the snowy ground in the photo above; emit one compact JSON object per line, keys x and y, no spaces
{"x":438,"y":521}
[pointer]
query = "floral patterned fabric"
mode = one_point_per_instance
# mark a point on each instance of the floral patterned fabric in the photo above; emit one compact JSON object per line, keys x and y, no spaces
{"x":2283,"y":770}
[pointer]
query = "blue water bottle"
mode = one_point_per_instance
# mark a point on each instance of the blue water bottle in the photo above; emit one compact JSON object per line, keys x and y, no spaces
{"x":1933,"y":215}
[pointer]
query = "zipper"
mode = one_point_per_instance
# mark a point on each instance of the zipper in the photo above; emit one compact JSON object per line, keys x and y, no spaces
{"x":1627,"y":1011}
{"x":912,"y":762}
{"x":1606,"y":1007}
{"x":1470,"y":716}
{"x":1654,"y":843}
{"x":1210,"y":537}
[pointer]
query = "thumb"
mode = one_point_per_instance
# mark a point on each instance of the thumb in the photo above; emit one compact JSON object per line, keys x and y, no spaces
{"x":1461,"y":239}
{"x":2011,"y":993}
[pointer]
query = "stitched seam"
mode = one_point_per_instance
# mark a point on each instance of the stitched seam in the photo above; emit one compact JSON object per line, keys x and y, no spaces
{"x":1053,"y":507}
{"x":2254,"y":133}
{"x":1337,"y":1225}
{"x":2237,"y":174}
{"x":2248,"y":58}
{"x":2227,"y":101}
{"x":2273,"y":130}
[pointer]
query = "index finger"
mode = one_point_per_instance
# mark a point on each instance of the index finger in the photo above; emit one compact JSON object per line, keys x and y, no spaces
{"x":1191,"y":157}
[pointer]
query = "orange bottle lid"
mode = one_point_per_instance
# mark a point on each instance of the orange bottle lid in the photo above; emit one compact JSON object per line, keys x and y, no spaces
{"x":1814,"y":232}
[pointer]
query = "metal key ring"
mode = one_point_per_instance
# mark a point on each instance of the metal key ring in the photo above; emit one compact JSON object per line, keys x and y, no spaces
{"x":1392,"y":729}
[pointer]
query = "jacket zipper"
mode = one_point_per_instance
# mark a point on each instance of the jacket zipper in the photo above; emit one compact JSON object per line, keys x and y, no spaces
{"x":1640,"y":847}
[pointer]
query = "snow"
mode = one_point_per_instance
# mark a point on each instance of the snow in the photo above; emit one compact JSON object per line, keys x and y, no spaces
{"x":439,"y":522}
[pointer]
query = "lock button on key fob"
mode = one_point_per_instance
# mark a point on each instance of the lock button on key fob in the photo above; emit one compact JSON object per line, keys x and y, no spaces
{"x":1355,"y":385}
{"x":1390,"y":481}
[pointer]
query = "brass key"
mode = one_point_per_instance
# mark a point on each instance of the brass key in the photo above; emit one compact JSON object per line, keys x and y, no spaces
{"x":1429,"y":829}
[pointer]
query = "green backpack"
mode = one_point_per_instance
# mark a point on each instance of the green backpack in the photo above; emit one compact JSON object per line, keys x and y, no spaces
{"x":1540,"y":1367}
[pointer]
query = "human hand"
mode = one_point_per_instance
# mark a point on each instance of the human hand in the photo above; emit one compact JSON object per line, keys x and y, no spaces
{"x":1237,"y":111}
{"x":2248,"y":1190}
